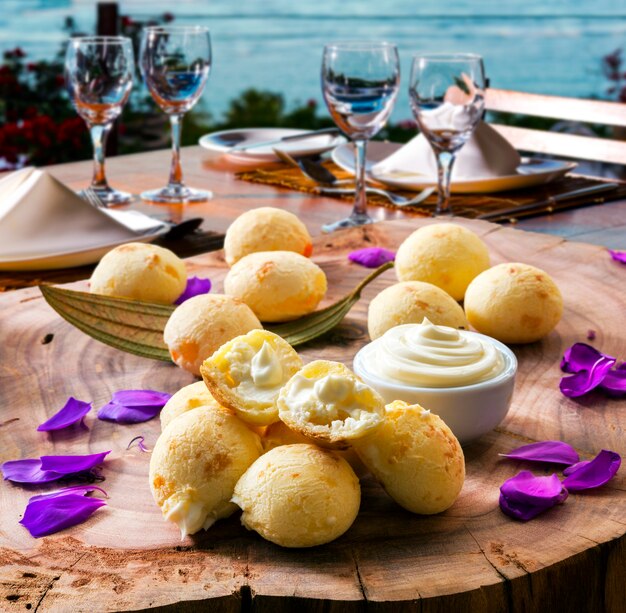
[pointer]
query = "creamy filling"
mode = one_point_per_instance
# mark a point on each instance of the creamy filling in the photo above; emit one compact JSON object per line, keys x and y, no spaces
{"x":330,"y":403}
{"x":265,"y":367}
{"x":426,"y":355}
{"x":188,"y":516}
{"x":258,"y":374}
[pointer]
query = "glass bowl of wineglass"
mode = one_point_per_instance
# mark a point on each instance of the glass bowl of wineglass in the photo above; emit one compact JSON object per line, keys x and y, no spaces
{"x":447,"y":95}
{"x":98,"y":77}
{"x":175,"y":62}
{"x":360,"y":82}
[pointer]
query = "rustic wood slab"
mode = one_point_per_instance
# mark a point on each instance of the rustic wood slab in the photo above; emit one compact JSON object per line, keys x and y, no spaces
{"x":470,"y":558}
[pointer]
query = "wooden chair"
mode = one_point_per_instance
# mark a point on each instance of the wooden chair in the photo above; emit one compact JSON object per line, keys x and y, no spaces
{"x":581,"y":147}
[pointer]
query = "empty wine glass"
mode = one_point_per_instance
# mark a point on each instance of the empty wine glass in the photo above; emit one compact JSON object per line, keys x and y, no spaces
{"x":447,"y":97}
{"x":99,"y":76}
{"x":360,"y":82}
{"x":175,"y":63}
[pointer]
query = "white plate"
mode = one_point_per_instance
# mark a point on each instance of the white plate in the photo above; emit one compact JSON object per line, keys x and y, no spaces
{"x":221,"y":142}
{"x":70,"y":259}
{"x":532,"y":171}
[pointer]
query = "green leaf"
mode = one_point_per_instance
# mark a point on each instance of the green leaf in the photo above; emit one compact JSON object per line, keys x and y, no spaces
{"x":130,"y":325}
{"x":137,"y":327}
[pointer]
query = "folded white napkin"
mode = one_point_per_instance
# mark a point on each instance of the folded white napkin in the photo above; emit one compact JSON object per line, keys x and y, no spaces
{"x":40,"y":217}
{"x":486,"y":155}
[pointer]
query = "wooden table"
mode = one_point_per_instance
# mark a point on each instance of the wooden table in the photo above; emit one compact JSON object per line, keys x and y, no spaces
{"x":471,"y":558}
{"x":600,"y":225}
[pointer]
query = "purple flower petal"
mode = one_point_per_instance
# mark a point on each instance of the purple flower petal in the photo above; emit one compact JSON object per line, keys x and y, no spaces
{"x":68,"y":490}
{"x":121,"y":414}
{"x":141,"y":398}
{"x":49,"y":513}
{"x":590,"y":367}
{"x":49,"y":468}
{"x":618,"y":256}
{"x":555,"y":452}
{"x":133,"y":406}
{"x":372,"y":257}
{"x":28,"y":471}
{"x":521,"y":511}
{"x":574,"y":467}
{"x":614,"y":382}
{"x":525,"y":495}
{"x":68,"y":464}
{"x":594,"y":474}
{"x":73,"y":411}
{"x":195,"y":287}
{"x":581,"y":356}
{"x":140,"y":444}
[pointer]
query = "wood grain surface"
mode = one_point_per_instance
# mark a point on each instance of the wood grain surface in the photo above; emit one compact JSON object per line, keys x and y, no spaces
{"x":470,"y":558}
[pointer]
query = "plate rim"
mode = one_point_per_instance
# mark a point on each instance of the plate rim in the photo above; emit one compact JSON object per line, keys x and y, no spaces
{"x":204,"y":139}
{"x":566,"y":166}
{"x":140,"y":238}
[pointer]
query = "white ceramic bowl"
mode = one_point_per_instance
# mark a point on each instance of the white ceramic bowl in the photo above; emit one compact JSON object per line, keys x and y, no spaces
{"x":470,"y":410}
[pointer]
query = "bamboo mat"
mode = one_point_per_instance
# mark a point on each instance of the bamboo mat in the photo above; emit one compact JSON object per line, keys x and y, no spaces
{"x":464,"y":205}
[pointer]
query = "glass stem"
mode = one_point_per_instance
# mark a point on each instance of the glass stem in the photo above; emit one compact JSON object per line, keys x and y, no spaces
{"x":445,"y":161}
{"x":176,"y":170}
{"x":99,"y":134}
{"x":360,"y":196}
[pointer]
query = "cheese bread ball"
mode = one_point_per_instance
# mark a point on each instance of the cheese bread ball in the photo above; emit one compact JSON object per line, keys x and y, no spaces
{"x":280,"y":434}
{"x":246,"y":374}
{"x":328,"y":403}
{"x":416,"y":458}
{"x":202,"y":324}
{"x":277,"y":285}
{"x":515,"y":303}
{"x":186,"y":399}
{"x":195,"y":465}
{"x":298,"y":496}
{"x":408,"y":303}
{"x":266,"y":229}
{"x":444,"y":254}
{"x":141,"y":272}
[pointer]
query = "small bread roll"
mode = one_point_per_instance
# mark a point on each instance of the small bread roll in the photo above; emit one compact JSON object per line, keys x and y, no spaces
{"x":408,"y":303}
{"x":277,"y":285}
{"x":329,"y":404}
{"x":186,"y":399}
{"x":202,"y":324}
{"x":266,"y":229}
{"x":246,"y":374}
{"x":444,"y":254}
{"x":416,"y":458}
{"x":280,"y":434}
{"x":514,"y":303}
{"x":141,"y":272}
{"x":298,"y":496}
{"x":195,"y":465}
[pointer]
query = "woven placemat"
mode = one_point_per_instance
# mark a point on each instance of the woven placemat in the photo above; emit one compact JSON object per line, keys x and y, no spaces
{"x":186,"y":246}
{"x":464,"y":205}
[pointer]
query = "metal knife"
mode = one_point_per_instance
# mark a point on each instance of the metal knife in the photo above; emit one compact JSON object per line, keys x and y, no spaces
{"x":284,"y":139}
{"x":549,"y":203}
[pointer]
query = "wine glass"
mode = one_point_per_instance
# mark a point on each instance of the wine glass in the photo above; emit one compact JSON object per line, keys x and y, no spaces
{"x":175,"y":63}
{"x":447,"y":94}
{"x":99,"y":76}
{"x":360,"y":82}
